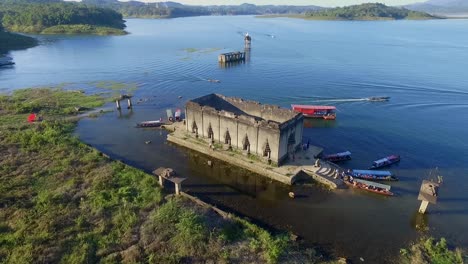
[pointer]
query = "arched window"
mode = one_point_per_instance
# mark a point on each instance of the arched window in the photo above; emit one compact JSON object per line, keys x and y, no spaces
{"x":194,"y":128}
{"x":210,"y":132}
{"x":267,"y":150}
{"x":246,"y":144}
{"x":227,"y":138}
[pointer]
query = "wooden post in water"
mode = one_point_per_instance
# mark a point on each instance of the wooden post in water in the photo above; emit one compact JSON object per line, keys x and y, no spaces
{"x":427,"y":194}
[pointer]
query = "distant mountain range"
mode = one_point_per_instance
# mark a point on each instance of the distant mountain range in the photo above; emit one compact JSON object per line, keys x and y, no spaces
{"x":441,"y":6}
{"x":173,"y":9}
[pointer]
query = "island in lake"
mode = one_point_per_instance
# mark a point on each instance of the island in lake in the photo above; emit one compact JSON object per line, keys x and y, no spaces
{"x":370,"y":11}
{"x":57,"y":17}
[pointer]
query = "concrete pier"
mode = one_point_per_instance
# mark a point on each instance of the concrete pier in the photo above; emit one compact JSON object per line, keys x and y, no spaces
{"x":123,"y":97}
{"x":427,"y":194}
{"x":170,"y":175}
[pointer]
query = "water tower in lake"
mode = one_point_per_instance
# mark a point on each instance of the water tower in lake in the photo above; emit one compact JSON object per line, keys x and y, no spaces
{"x":247,"y":41}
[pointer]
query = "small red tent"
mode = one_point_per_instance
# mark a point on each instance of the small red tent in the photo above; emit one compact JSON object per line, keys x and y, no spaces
{"x":32,"y":117}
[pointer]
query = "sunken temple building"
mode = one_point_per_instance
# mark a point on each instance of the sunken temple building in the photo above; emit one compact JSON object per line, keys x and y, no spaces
{"x":270,"y":132}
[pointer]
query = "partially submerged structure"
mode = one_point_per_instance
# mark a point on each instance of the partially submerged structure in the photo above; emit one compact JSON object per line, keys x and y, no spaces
{"x":267,"y":131}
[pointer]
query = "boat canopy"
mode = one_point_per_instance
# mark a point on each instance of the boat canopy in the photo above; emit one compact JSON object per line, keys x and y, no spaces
{"x":169,"y":113}
{"x":341,"y":154}
{"x":385,"y":160}
{"x":375,"y":184}
{"x":372,"y":172}
{"x":313,"y":107}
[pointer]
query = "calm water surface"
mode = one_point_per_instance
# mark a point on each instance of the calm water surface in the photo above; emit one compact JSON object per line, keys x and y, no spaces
{"x":422,"y":65}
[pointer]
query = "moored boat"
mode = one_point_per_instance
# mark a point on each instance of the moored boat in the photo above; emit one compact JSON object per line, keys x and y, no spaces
{"x":5,"y":61}
{"x":177,"y":115}
{"x":316,"y":111}
{"x":389,"y":160}
{"x":378,"y":98}
{"x":155,"y":123}
{"x":368,"y":186}
{"x":341,"y":156}
{"x":372,"y":175}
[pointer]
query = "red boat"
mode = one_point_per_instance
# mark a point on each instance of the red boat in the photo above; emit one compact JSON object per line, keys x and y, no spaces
{"x":368,"y":186}
{"x":316,"y":111}
{"x":342,"y":156}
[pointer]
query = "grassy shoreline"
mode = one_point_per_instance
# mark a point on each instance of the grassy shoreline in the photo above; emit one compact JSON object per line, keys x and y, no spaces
{"x":70,"y":29}
{"x":64,"y":202}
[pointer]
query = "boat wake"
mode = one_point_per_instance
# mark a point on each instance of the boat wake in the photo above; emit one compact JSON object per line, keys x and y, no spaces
{"x":342,"y":100}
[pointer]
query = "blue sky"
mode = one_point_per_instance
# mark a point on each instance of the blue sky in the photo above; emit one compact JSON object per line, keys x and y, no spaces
{"x":289,"y":2}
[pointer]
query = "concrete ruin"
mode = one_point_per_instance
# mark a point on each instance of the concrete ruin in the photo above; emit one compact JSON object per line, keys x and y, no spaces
{"x":267,"y":131}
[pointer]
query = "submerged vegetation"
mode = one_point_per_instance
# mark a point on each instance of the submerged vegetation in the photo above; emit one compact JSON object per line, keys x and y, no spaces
{"x":64,"y":202}
{"x":369,"y":11}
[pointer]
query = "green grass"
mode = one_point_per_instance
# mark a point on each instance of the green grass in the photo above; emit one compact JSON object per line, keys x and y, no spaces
{"x":64,"y":202}
{"x":429,"y":250}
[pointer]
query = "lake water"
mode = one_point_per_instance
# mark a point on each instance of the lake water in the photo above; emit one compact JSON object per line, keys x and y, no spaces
{"x":421,"y":65}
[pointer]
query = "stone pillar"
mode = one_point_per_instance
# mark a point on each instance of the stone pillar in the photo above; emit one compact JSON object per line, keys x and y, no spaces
{"x":129,"y":102}
{"x":117,"y":102}
{"x":161,"y":181}
{"x":423,"y":207}
{"x":178,"y":187}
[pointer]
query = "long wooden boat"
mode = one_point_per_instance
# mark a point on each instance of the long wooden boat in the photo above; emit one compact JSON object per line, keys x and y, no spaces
{"x":316,"y":111}
{"x":155,"y":123}
{"x":378,"y":98}
{"x":372,"y":175}
{"x":341,"y":156}
{"x":383,"y":162}
{"x":368,"y":186}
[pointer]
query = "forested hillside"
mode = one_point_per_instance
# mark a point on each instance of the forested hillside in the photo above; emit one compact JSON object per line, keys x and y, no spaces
{"x":370,"y":11}
{"x":37,"y":16}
